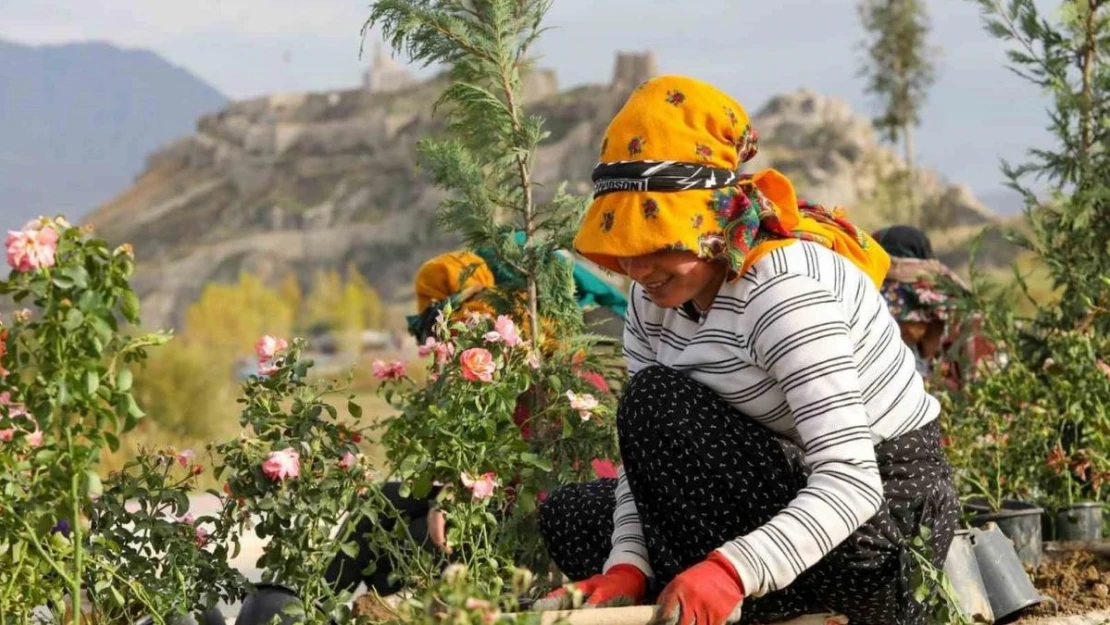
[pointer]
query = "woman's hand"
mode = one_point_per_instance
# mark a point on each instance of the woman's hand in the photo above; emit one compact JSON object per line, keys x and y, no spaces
{"x":621,"y":585}
{"x":708,"y":593}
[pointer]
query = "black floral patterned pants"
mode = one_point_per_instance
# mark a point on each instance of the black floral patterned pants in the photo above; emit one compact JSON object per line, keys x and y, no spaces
{"x":703,"y":474}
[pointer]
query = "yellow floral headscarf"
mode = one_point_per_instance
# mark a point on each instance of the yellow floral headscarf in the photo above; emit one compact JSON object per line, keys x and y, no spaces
{"x":442,"y":277}
{"x":681,"y":126}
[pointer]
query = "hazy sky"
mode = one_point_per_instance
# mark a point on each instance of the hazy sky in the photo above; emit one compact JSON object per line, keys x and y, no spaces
{"x":977,"y":112}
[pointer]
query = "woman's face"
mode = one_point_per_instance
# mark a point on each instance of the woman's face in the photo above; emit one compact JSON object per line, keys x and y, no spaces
{"x":673,"y":278}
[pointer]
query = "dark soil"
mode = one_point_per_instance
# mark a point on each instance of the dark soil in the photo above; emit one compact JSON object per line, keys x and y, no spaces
{"x":1078,"y":581}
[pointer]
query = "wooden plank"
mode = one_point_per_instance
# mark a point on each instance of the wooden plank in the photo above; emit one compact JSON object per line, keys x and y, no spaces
{"x":643,"y":614}
{"x":1101,"y":548}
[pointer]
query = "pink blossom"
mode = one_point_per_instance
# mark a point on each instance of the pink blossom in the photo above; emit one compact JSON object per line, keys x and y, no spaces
{"x":444,"y":353}
{"x":14,"y":409}
{"x":595,"y":379}
{"x":533,"y":361}
{"x":428,"y":347}
{"x":7,"y":434}
{"x":187,"y":519}
{"x":388,"y":371}
{"x":582,"y":403}
{"x":348,"y":461}
{"x":477,"y":604}
{"x":477,"y":364}
{"x":507,"y":329}
{"x":33,"y":247}
{"x":474,"y":318}
{"x":201,"y":537}
{"x":480,"y":487}
{"x":268,"y":346}
{"x":267,"y":367}
{"x":604,"y":468}
{"x":492,"y":337}
{"x":282,"y":464}
{"x":185,"y":457}
{"x":34,"y":439}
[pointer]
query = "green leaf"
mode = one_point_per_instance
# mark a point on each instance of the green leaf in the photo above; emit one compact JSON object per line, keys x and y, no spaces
{"x":101,"y":327}
{"x":112,"y":440}
{"x":536,"y":461}
{"x":93,"y":487}
{"x":62,"y":281}
{"x":92,"y":381}
{"x":354,"y":409}
{"x":123,"y":380}
{"x":350,"y":548}
{"x":133,"y":409}
{"x":129,"y":306}
{"x":76,"y":275}
{"x":73,"y":320}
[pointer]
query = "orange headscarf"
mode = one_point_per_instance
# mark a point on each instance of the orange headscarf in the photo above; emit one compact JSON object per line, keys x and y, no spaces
{"x":674,"y":118}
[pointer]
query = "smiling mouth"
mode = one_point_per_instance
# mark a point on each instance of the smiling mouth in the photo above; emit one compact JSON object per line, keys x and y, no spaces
{"x":655,"y":286}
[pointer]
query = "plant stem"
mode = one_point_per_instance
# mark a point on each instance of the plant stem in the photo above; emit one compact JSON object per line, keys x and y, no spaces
{"x":525,"y":173}
{"x":42,"y":552}
{"x":78,"y":538}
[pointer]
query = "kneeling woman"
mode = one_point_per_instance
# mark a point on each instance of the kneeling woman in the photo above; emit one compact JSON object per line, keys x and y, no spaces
{"x":779,"y":448}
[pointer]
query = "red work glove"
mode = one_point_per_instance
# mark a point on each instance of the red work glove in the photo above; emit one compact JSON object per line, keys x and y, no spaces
{"x":708,"y":593}
{"x":621,"y":585}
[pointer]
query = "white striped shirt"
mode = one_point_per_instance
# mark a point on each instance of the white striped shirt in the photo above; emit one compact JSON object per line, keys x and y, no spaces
{"x":804,"y":344}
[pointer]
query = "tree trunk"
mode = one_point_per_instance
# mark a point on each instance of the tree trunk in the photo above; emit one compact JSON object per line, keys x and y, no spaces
{"x":912,"y":209}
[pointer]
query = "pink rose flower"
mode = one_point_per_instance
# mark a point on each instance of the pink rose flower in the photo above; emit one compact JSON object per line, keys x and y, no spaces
{"x":268,"y":346}
{"x":187,"y":519}
{"x":582,"y":403}
{"x":477,"y":364}
{"x":388,"y":371}
{"x":480,"y":487}
{"x":282,"y":464}
{"x":201,"y":537}
{"x":7,"y":435}
{"x":604,"y":468}
{"x":185,"y":457}
{"x":492,"y":337}
{"x":348,"y":461}
{"x":507,"y":330}
{"x":34,"y":439}
{"x":32,"y":248}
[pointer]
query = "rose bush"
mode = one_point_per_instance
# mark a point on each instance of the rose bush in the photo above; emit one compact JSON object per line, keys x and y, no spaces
{"x":500,"y":426}
{"x":295,"y":476}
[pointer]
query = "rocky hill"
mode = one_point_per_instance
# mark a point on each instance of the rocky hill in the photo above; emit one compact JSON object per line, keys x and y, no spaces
{"x":77,"y":121}
{"x":300,"y":182}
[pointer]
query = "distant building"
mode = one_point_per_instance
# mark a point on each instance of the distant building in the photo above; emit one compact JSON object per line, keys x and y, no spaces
{"x":633,"y":68}
{"x":385,"y":74}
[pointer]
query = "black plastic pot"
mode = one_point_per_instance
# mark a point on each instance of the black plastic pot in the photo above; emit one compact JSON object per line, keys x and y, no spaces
{"x":1021,"y":523}
{"x":1007,"y":584}
{"x":1081,"y":521}
{"x":210,"y":617}
{"x":962,"y":570}
{"x":266,"y":602}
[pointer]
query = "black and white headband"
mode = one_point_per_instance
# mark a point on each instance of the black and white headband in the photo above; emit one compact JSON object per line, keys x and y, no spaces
{"x":658,"y":176}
